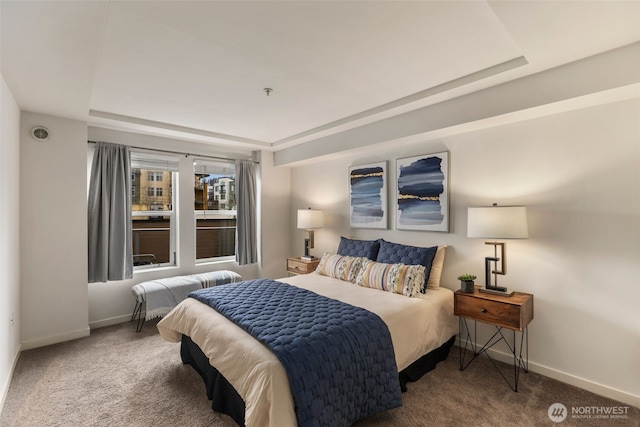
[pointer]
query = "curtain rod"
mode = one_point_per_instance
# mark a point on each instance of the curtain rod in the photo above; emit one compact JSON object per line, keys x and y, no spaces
{"x":159,"y":150}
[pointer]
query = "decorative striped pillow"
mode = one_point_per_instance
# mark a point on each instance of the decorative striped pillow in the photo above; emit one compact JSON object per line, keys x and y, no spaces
{"x":398,"y":278}
{"x":339,"y":266}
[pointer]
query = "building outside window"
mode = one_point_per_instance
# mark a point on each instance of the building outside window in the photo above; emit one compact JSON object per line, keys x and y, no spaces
{"x":214,"y":209}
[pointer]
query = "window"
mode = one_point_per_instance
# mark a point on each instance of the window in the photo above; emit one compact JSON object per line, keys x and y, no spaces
{"x":154,"y":176}
{"x":154,"y":192}
{"x":215,"y":209}
{"x":156,"y":236}
{"x":153,"y":216}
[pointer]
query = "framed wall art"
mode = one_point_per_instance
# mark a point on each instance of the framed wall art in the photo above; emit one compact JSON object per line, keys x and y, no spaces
{"x":368,"y":196}
{"x":422,"y":196}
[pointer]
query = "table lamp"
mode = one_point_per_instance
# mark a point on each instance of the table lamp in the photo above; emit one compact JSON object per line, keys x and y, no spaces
{"x":497,"y":222}
{"x":309,"y":219}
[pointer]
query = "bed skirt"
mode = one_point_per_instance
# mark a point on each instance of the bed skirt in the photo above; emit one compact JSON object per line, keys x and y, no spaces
{"x":225,"y":399}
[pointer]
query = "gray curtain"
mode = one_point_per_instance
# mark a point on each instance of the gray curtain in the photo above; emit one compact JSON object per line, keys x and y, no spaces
{"x":109,"y":214}
{"x":246,"y":232}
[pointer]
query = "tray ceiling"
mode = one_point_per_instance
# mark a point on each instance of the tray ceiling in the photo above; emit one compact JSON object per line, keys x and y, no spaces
{"x":200,"y":68}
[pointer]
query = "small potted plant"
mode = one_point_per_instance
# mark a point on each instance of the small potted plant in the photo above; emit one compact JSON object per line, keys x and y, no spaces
{"x":466,"y":282}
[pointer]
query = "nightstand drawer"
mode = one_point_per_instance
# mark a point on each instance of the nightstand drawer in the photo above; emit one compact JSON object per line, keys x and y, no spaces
{"x":495,"y":313}
{"x":513,"y":312}
{"x":299,"y":266}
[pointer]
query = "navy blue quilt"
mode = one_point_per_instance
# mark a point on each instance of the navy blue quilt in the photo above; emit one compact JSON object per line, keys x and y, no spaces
{"x":339,"y":358}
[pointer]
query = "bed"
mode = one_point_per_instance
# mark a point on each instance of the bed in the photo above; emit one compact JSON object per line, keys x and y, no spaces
{"x":245,"y":378}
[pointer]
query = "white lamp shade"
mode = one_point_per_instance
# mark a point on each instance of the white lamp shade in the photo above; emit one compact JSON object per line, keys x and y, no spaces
{"x":497,"y":222}
{"x":309,"y":219}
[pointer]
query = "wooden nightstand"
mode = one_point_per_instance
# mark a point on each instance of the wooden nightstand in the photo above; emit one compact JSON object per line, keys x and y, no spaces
{"x":297,"y":265}
{"x":513,"y":313}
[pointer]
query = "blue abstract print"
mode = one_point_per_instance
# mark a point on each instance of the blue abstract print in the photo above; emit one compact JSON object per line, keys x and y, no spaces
{"x":368,"y":194}
{"x":421,"y":185}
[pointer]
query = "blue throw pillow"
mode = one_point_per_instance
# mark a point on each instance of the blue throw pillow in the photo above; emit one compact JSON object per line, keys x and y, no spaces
{"x":392,"y":253}
{"x":358,"y":248}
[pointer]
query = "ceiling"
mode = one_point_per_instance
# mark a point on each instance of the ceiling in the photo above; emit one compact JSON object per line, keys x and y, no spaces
{"x":198,"y":70}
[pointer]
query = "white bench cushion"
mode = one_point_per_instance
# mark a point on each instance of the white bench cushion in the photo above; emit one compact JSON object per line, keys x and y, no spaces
{"x":162,"y":295}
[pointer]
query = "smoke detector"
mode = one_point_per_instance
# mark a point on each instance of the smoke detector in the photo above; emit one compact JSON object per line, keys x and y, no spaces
{"x":40,"y":133}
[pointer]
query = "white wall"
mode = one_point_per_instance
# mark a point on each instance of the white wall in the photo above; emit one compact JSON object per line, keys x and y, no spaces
{"x":9,"y":237}
{"x":578,"y":173}
{"x":275,"y":220}
{"x":53,"y":231}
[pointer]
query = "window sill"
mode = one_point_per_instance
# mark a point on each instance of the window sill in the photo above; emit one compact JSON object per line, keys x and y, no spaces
{"x":152,"y":268}
{"x":213,"y":261}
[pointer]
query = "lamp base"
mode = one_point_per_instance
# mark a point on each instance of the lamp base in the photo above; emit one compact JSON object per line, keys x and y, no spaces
{"x":497,"y":290}
{"x":306,"y":248}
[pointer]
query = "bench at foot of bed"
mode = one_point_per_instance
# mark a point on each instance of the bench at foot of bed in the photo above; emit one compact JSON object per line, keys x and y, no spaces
{"x":159,"y":297}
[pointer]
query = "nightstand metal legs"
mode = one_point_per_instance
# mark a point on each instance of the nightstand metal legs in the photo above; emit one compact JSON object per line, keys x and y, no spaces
{"x":520,"y":361}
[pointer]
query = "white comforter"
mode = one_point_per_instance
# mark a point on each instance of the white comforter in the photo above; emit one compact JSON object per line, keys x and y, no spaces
{"x":417,"y":326}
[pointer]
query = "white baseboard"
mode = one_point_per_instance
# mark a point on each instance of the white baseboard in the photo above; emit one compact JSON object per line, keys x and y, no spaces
{"x":593,"y":387}
{"x":109,"y":322}
{"x":41,"y":342}
{"x":5,"y":388}
{"x":585,"y":384}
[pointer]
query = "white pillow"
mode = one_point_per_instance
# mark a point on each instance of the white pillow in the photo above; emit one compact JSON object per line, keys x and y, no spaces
{"x":436,"y":268}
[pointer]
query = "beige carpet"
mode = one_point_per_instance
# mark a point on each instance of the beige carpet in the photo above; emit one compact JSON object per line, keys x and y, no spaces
{"x":116,"y":377}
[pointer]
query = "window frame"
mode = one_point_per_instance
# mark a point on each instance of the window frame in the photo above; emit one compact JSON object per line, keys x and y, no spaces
{"x":170,"y":214}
